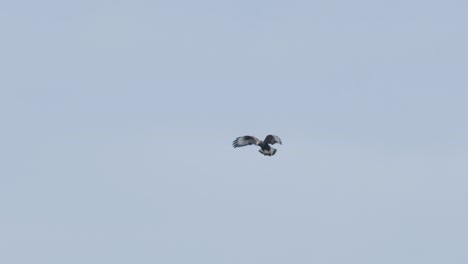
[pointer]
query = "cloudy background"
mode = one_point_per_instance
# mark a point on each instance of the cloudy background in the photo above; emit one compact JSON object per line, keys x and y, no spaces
{"x":117,"y":119}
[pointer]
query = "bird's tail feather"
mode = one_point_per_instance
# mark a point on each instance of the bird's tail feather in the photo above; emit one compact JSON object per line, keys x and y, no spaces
{"x":269,"y":152}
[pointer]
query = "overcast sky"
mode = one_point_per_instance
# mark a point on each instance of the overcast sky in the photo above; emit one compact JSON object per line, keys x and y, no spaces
{"x":117,"y":119}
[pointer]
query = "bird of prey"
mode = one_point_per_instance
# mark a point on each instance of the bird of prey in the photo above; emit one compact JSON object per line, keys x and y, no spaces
{"x":265,"y":148}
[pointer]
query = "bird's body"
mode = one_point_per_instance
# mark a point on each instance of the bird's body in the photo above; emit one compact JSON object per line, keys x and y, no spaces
{"x":265,"y":148}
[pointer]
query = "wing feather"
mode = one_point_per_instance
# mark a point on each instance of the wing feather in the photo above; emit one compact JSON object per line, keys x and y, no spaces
{"x":244,"y":141}
{"x":272,"y":139}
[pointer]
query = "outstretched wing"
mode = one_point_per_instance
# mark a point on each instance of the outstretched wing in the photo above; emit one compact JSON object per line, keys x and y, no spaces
{"x":272,"y":139}
{"x":244,"y":141}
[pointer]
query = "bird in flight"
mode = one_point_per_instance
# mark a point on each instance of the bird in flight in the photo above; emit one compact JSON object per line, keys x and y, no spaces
{"x":265,"y":148}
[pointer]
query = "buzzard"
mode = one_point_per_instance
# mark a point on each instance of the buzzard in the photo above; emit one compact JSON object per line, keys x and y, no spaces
{"x":265,"y":148}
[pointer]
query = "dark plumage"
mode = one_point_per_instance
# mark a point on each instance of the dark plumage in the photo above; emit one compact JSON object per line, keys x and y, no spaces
{"x":264,"y":145}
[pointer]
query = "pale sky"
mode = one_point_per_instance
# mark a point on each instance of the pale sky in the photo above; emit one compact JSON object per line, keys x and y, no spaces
{"x":118,"y":116}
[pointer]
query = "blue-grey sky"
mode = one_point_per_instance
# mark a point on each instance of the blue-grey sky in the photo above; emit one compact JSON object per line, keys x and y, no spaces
{"x":117,"y":119}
